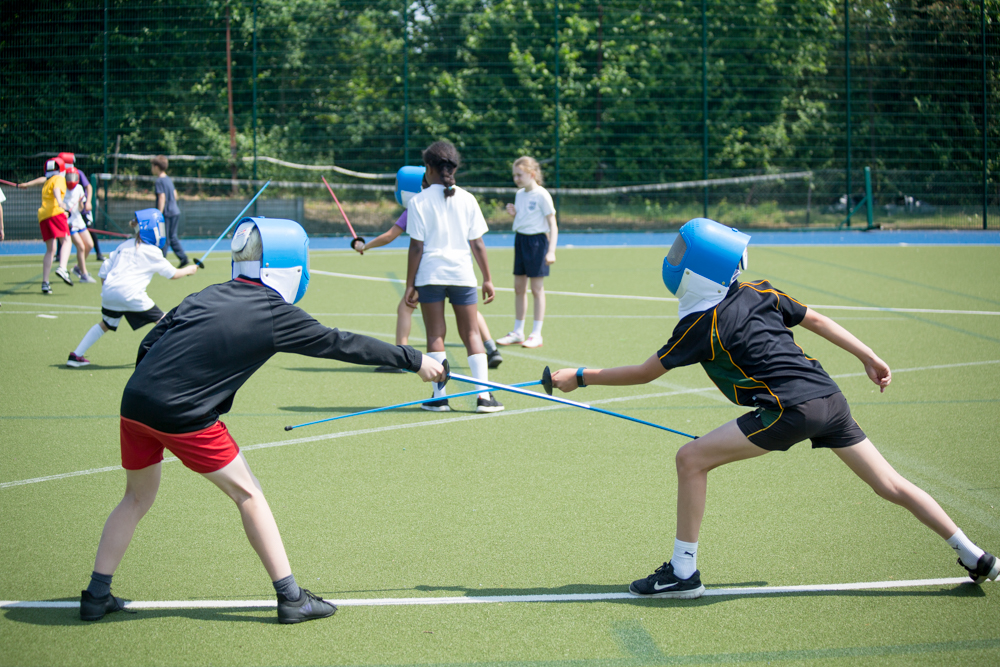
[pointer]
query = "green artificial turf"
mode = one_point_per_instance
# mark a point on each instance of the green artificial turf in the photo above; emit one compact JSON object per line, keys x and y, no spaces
{"x":539,"y":499}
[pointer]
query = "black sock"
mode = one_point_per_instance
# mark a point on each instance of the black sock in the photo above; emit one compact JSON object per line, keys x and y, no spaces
{"x":287,"y":588}
{"x":100,"y":584}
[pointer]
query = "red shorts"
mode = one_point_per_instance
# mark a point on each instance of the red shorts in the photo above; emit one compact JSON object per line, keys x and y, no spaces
{"x":55,"y":227}
{"x":207,"y":450}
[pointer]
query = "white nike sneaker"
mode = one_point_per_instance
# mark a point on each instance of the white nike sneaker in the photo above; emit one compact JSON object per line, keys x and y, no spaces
{"x":532,"y":341}
{"x":511,"y":338}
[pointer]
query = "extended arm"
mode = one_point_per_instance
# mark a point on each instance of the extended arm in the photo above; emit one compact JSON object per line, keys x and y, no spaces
{"x":565,"y":379}
{"x":188,"y":270}
{"x":412,"y":264}
{"x":382,"y":239}
{"x":161,"y":201}
{"x":33,"y":182}
{"x":479,"y":252}
{"x":823,"y":326}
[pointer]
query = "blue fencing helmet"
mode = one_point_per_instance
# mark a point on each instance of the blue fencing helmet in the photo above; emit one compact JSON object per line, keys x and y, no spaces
{"x":408,"y":183}
{"x":284,"y":262}
{"x":152,"y":227}
{"x":704,"y":259}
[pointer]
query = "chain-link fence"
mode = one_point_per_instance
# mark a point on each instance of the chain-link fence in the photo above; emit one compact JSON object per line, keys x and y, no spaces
{"x":606,"y":95}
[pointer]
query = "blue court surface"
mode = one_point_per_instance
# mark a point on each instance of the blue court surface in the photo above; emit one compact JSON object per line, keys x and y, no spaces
{"x":977,"y":237}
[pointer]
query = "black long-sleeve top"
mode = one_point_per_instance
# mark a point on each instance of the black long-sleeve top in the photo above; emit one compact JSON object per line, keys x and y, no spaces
{"x":192,"y":363}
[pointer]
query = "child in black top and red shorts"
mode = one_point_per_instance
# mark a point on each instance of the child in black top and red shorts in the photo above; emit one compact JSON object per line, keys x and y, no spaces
{"x":190,"y":367}
{"x":740,"y":334}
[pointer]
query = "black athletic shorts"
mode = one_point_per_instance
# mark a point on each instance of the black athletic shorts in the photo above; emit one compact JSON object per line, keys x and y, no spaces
{"x":112,"y":318}
{"x":826,"y":421}
{"x":529,"y":255}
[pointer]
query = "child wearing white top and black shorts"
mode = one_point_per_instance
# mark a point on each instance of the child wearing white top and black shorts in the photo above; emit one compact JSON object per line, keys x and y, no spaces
{"x":126,"y":274}
{"x":446,"y":227}
{"x":535,"y":237}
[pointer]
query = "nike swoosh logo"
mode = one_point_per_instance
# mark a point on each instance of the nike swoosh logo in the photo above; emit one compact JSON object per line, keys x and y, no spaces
{"x":657,"y":587}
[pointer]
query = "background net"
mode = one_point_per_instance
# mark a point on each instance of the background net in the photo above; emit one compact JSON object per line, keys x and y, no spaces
{"x":604,"y":94}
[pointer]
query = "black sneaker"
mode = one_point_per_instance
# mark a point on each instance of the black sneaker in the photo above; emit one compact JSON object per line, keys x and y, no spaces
{"x":488,"y":404}
{"x":94,"y":609}
{"x":493,"y":359}
{"x":46,"y":288}
{"x":988,"y":567}
{"x":436,"y":406}
{"x":665,"y":584}
{"x":389,"y":369}
{"x":184,"y":262}
{"x":307,"y":608}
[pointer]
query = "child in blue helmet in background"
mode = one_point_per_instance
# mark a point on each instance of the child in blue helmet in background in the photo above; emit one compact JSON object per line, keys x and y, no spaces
{"x":188,"y":371}
{"x":126,"y":274}
{"x":740,"y":334}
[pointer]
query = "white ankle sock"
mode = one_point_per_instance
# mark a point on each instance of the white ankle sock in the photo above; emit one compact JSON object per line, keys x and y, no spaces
{"x":967,"y":551}
{"x":92,"y":336}
{"x":685,"y":558}
{"x":519,"y":327}
{"x":439,"y":390}
{"x":479,"y":369}
{"x":536,"y":328}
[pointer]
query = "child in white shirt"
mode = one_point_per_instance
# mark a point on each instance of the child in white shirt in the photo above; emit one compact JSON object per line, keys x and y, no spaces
{"x":76,"y":200}
{"x":446,"y":226}
{"x":126,"y":274}
{"x":534,"y":248}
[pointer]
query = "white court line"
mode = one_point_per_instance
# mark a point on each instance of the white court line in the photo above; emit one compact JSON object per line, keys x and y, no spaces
{"x":50,"y":305}
{"x":660,"y":298}
{"x":499,"y":289}
{"x":40,"y":313}
{"x":487,"y":599}
{"x":452,"y":420}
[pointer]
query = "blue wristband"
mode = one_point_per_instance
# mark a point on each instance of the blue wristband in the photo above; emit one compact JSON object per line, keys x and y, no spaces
{"x":579,"y":377}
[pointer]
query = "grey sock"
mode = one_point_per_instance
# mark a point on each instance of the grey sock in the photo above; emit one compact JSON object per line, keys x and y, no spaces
{"x":287,"y":588}
{"x":100,"y":584}
{"x":490,"y":346}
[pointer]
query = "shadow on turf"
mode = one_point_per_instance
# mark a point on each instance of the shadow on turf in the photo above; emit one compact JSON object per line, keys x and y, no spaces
{"x":69,"y":617}
{"x":960,"y":591}
{"x":91,"y":367}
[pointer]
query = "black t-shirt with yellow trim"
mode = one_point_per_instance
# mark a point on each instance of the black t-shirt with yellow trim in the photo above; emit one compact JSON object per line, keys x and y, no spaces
{"x":747,"y":348}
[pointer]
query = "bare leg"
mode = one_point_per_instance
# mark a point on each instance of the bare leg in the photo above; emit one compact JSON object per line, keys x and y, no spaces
{"x":468,"y":328}
{"x":50,"y":253}
{"x":484,"y":331}
{"x":538,"y":294}
{"x":725,"y":444}
{"x":80,"y":250}
{"x":64,"y":251}
{"x":520,"y":297}
{"x":238,"y":482}
{"x":869,"y":464}
{"x":435,"y":325}
{"x":140,"y":492}
{"x":404,"y":322}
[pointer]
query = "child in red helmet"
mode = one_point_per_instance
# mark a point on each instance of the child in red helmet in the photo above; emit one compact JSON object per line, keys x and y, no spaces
{"x":74,"y":200}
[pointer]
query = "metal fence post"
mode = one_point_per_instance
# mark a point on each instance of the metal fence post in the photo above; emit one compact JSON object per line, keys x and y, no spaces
{"x":105,"y":170}
{"x":406,"y":82}
{"x":847,"y":70}
{"x":704,"y":101}
{"x":986,"y":155}
{"x":255,"y":95}
{"x":556,"y":25}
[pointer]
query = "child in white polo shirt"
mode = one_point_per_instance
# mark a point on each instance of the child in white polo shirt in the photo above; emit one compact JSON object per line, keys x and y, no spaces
{"x":535,"y":234}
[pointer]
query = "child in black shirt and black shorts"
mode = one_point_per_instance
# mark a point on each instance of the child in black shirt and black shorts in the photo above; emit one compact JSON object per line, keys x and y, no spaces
{"x":740,"y":334}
